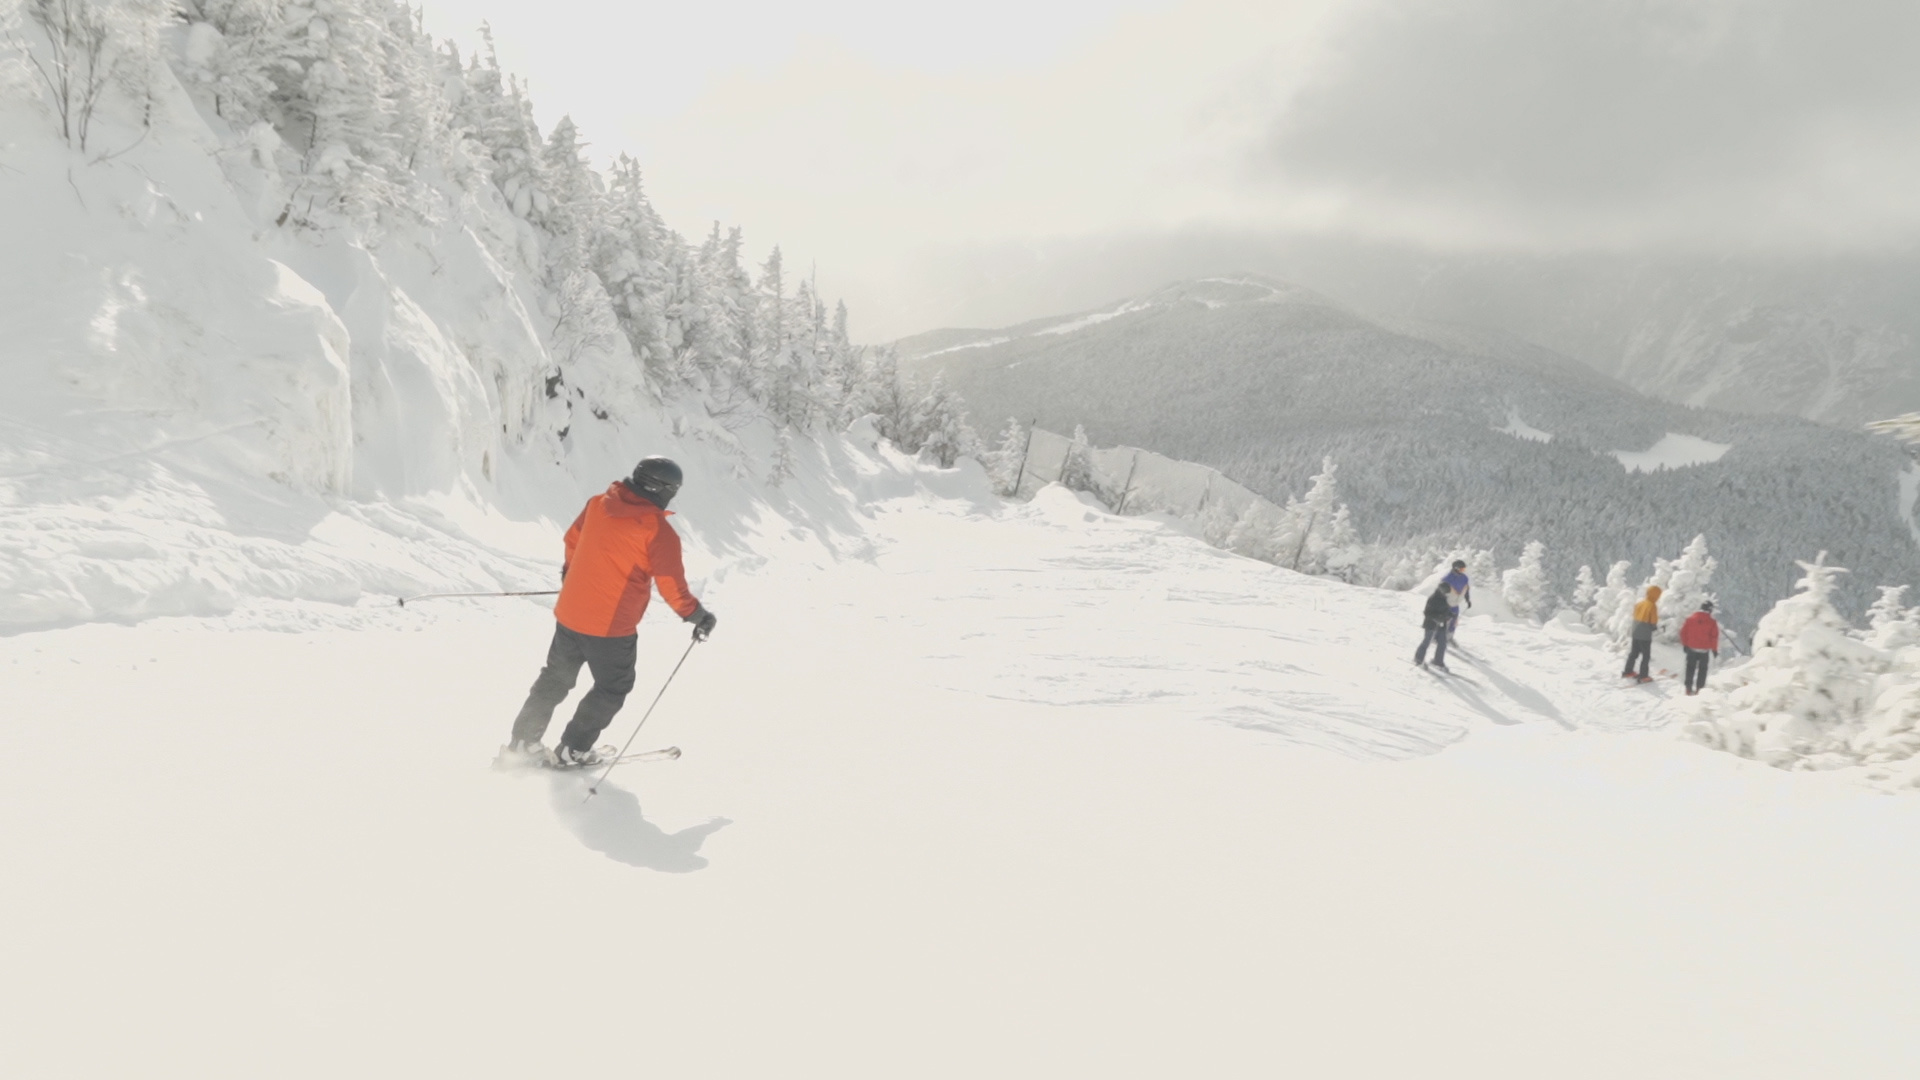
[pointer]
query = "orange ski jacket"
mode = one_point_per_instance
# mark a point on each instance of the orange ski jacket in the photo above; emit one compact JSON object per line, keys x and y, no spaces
{"x":618,"y":550}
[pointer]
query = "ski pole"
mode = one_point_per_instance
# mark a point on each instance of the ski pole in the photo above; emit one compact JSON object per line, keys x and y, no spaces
{"x":595,"y":789}
{"x":404,"y":600}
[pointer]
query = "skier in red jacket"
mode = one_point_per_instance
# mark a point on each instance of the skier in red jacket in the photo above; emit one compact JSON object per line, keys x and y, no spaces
{"x":619,"y":550}
{"x":1699,"y":635}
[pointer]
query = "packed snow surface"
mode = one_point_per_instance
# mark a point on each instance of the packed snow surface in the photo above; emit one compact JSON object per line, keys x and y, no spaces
{"x":970,"y":788}
{"x":1673,"y":452}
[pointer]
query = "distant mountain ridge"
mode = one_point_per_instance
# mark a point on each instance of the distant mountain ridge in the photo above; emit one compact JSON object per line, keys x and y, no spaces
{"x":1829,"y":341}
{"x":1260,"y":378}
{"x":1832,"y":336}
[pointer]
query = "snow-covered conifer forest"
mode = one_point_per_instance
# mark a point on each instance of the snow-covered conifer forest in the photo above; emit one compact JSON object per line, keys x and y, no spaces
{"x":314,"y":247}
{"x":1453,"y":437}
{"x":1089,"y":747}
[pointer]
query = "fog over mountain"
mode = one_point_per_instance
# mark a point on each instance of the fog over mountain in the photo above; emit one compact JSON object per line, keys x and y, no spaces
{"x":955,"y":169}
{"x":1437,"y":429}
{"x":1830,"y":337}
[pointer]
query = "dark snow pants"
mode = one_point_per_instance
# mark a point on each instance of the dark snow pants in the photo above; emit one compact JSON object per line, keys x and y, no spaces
{"x":611,"y":661}
{"x":1642,"y":651}
{"x":1437,"y":637}
{"x":1697,"y":669}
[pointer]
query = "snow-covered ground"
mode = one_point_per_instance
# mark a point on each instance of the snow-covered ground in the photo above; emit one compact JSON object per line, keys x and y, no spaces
{"x":1520,"y":429}
{"x":969,"y":789}
{"x":1673,"y":452}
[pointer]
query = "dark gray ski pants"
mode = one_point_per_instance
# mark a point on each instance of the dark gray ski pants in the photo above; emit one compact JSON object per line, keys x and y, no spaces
{"x":611,"y":661}
{"x":1697,"y":669}
{"x":1641,"y":650}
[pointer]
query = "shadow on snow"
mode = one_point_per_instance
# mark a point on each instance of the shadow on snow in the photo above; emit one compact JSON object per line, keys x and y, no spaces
{"x":612,"y":824}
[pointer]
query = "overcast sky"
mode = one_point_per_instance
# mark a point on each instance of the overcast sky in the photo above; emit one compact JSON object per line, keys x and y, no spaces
{"x":923,"y":158}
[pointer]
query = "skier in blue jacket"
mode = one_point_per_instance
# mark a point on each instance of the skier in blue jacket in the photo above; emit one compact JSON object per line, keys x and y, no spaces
{"x":1462,"y":590}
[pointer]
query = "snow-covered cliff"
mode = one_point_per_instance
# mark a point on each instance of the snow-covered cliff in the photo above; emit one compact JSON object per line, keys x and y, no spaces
{"x":307,"y":307}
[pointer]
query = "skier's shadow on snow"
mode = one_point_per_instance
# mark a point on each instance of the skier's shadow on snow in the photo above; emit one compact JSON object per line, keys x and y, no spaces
{"x":612,"y":824}
{"x":1524,"y":696}
{"x":1465,"y":689}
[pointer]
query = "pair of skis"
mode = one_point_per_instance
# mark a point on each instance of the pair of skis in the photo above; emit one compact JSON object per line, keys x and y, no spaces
{"x":1446,"y":673}
{"x":515,"y":761}
{"x":666,"y":754}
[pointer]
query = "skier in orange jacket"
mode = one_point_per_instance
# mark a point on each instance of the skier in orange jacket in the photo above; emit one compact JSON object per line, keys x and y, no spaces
{"x":1646,"y":620}
{"x":619,"y":550}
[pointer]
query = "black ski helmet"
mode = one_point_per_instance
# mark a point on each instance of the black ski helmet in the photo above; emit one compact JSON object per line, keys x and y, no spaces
{"x":656,"y":479}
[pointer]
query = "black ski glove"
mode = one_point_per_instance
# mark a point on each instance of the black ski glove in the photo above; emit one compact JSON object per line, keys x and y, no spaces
{"x":703,"y":622}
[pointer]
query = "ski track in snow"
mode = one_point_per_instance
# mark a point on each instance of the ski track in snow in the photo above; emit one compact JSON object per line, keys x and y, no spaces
{"x":987,"y":343}
{"x":1123,"y":612}
{"x":1095,"y":319}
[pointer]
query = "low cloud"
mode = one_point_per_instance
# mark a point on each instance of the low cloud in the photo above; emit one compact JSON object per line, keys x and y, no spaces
{"x":1549,"y":123}
{"x":935,"y":178}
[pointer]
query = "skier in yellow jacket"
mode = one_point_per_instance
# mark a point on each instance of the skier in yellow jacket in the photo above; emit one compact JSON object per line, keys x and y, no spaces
{"x":1646,"y":619}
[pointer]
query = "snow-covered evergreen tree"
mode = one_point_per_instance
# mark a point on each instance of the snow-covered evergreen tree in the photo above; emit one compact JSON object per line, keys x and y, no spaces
{"x":1688,"y":584}
{"x":1217,"y":520}
{"x":1619,"y":623}
{"x":1322,"y":500}
{"x":782,"y":468}
{"x":1262,"y":532}
{"x":1076,"y":472}
{"x":496,"y":111}
{"x":343,"y":117}
{"x":1803,"y":698}
{"x":1328,"y":543}
{"x":235,"y":49}
{"x":1405,"y":568}
{"x":629,"y":252}
{"x":1609,"y":599}
{"x":886,"y":396}
{"x":1525,"y":587}
{"x":1890,"y":623}
{"x":346,"y":105}
{"x":839,"y":369}
{"x":1004,"y":463}
{"x":1584,"y":590}
{"x":940,"y":425}
{"x":781,"y":363}
{"x":722,"y":328}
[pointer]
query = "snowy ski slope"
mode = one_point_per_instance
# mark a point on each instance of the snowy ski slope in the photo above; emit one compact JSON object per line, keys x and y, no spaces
{"x":970,"y":789}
